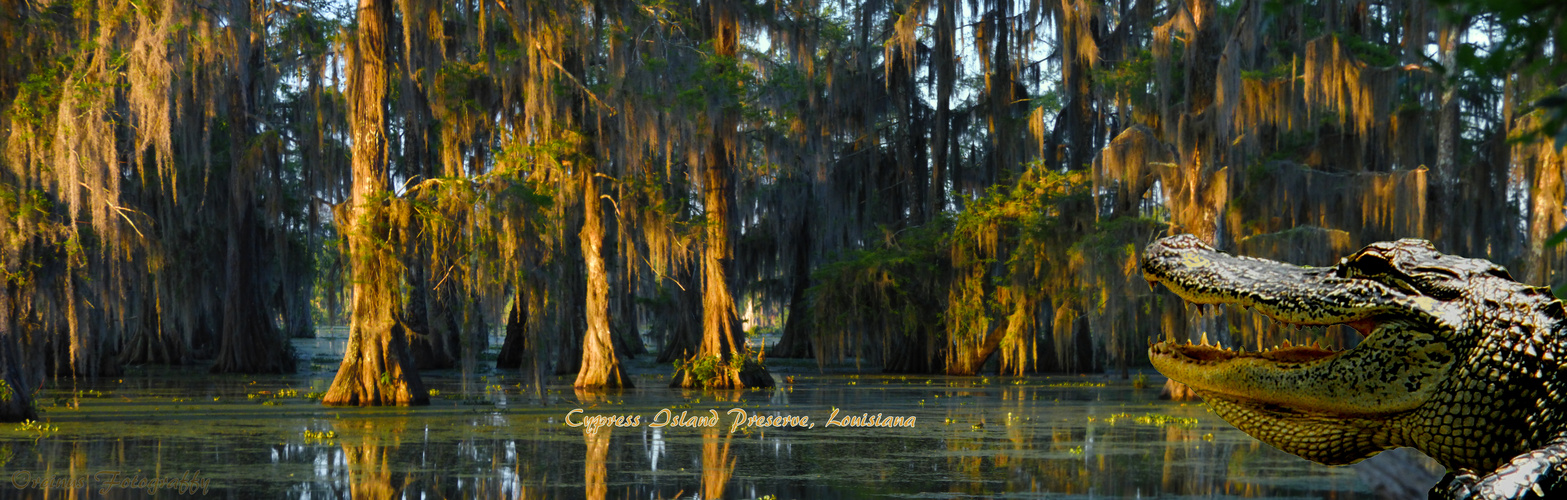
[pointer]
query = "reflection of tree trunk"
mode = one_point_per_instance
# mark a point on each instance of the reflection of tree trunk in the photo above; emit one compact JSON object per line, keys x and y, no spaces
{"x":596,"y":471}
{"x":600,"y":365}
{"x":1173,"y":442}
{"x":717,"y":466}
{"x":376,"y":368}
{"x":369,"y":476}
{"x":369,"y":470}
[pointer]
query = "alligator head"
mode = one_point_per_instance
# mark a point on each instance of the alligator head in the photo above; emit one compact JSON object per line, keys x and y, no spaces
{"x":1458,"y":359}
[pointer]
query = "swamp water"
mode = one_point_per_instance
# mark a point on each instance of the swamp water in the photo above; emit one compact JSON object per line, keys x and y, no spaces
{"x":170,"y":433}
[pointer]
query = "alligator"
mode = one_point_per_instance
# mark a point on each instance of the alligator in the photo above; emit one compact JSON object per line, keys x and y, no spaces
{"x":1457,"y":360}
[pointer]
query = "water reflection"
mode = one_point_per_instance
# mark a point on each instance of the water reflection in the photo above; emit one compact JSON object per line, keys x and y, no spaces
{"x":596,"y":466}
{"x":1034,"y":437}
{"x":717,"y":465}
{"x":369,"y":470}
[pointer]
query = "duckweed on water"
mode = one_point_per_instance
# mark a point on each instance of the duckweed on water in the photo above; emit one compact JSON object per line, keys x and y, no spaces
{"x":1153,"y":419}
{"x":319,"y":436}
{"x":1077,"y":384}
{"x":39,"y":429}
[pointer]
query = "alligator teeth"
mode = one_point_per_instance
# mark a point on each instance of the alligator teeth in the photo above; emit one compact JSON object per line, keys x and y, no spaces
{"x":1150,"y":285}
{"x":1316,"y":344}
{"x":1287,"y":343}
{"x":1204,"y":338}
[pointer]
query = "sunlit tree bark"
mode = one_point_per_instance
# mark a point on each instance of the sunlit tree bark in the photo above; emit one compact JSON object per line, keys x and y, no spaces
{"x":722,"y":336}
{"x":376,"y":368}
{"x":600,"y":364}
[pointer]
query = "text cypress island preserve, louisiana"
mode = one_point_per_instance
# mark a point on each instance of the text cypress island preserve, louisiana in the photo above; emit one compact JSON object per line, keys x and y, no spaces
{"x":739,"y":418}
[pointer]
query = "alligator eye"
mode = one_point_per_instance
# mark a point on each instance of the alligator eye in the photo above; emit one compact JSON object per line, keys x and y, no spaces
{"x":1500,"y":272}
{"x":1373,"y":264}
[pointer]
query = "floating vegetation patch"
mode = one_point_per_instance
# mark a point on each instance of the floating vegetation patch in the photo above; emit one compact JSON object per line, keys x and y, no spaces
{"x":38,"y":429}
{"x":1153,"y":419}
{"x":323,"y":437}
{"x":270,"y":398}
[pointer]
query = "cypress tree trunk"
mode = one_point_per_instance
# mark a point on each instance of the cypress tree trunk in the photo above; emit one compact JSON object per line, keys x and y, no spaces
{"x":682,"y":322}
{"x":434,"y":336}
{"x":522,"y":349}
{"x":945,"y":63}
{"x":722,"y":336}
{"x":15,"y":400}
{"x":376,"y":367}
{"x":600,"y":365}
{"x":515,"y":346}
{"x":250,"y":340}
{"x":796,"y":339}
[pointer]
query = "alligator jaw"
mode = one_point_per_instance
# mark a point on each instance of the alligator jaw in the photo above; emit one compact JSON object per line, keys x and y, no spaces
{"x":1328,"y":406}
{"x":1285,"y":292}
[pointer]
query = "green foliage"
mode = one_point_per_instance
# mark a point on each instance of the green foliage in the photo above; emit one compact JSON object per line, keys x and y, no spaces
{"x":898,"y":284}
{"x":458,"y":86}
{"x":323,"y":437}
{"x":1374,"y":54}
{"x":1280,"y":70}
{"x":713,"y":371}
{"x":1529,"y":29}
{"x":1132,"y":77}
{"x":39,"y":430}
{"x":37,"y":101}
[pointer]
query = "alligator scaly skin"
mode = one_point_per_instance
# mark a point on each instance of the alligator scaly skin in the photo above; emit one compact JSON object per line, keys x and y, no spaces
{"x":1460,"y":361}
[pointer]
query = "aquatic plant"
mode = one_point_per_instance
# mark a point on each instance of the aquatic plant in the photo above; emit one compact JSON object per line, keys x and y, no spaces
{"x":38,"y":429}
{"x":319,"y":436}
